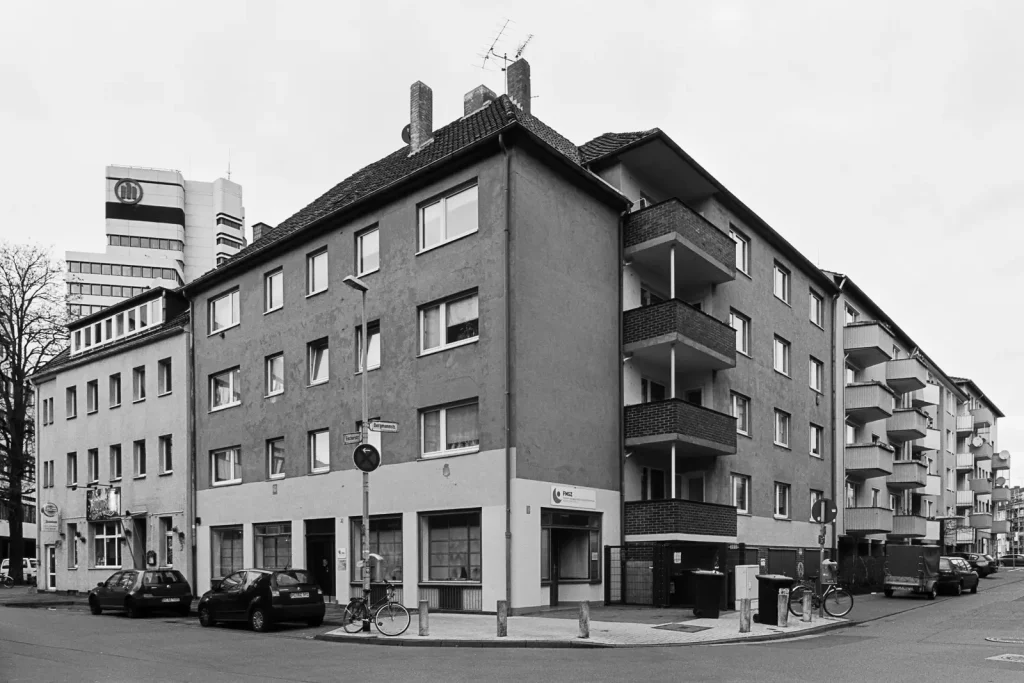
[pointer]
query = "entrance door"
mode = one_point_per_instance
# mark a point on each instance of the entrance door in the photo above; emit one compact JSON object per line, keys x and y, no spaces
{"x":555,"y":550}
{"x":51,"y":567}
{"x":320,"y":554}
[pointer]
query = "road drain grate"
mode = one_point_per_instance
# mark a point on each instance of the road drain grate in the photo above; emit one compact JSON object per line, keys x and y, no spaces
{"x":1013,"y":659}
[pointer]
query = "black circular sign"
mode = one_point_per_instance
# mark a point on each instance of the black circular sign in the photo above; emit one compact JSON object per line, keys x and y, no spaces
{"x":128,"y":191}
{"x":823,"y":511}
{"x":366,"y":457}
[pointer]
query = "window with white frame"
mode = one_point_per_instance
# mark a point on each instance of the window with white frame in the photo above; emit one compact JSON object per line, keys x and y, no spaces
{"x":226,"y":466}
{"x":449,"y":323}
{"x":450,"y":430}
{"x":275,"y":374}
{"x":817,"y":309}
{"x":741,"y":493}
{"x":815,"y":496}
{"x":273,"y":290}
{"x":741,"y":411}
{"x":782,"y":282}
{"x":139,"y":458}
{"x":742,"y":250}
{"x":741,"y":324}
{"x":275,"y":458}
{"x":107,"y":545}
{"x":816,"y":374}
{"x":166,"y":454}
{"x":72,"y":469}
{"x":851,"y":433}
{"x":139,"y":384}
{"x":318,"y":355}
{"x":320,"y":450}
{"x":72,"y":535}
{"x":782,"y":510}
{"x":92,"y":396}
{"x":316,"y":272}
{"x":875,"y":493}
{"x":372,"y":346}
{"x":223,"y":311}
{"x":368,"y":251}
{"x":225,"y":390}
{"x":781,"y":428}
{"x":164,"y":383}
{"x":94,"y":465}
{"x":115,"y":390}
{"x":115,"y":462}
{"x":71,"y":402}
{"x":817,"y":435}
{"x":448,"y":218}
{"x":782,"y":349}
{"x":852,"y":314}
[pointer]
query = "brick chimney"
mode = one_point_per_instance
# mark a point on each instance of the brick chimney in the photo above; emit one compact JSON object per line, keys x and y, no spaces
{"x":518,"y":79}
{"x":476,"y":98}
{"x":421,"y":116}
{"x":258,"y":229}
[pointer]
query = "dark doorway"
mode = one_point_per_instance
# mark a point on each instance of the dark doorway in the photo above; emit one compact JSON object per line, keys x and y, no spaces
{"x":320,"y":553}
{"x":570,"y":549}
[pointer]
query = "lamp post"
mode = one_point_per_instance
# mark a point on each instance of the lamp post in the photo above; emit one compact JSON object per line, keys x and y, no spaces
{"x":358,"y":285}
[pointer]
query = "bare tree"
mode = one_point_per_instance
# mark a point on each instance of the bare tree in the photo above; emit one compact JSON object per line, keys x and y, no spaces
{"x":33,"y":330}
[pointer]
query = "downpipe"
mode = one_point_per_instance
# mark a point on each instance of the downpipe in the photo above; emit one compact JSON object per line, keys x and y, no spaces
{"x":507,"y":418}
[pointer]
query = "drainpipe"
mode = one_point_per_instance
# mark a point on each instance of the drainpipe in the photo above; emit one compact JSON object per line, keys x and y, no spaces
{"x":508,"y":362}
{"x":835,"y":422}
{"x":622,"y":389}
{"x":190,"y":513}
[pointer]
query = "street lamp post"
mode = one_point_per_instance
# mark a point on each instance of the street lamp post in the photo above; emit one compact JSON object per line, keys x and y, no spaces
{"x":358,"y":285}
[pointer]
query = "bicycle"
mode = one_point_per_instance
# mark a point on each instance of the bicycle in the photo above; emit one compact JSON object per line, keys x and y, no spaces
{"x":7,"y":581}
{"x":836,"y":600}
{"x":391,"y":618}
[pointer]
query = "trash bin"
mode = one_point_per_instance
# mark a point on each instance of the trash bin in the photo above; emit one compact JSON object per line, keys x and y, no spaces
{"x":768,"y":586}
{"x":707,"y":587}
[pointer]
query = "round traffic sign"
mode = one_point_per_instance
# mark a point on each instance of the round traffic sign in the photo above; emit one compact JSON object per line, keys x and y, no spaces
{"x":366,"y":457}
{"x":823,"y":511}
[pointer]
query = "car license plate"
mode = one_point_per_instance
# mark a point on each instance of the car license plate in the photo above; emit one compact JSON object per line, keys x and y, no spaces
{"x":170,"y":600}
{"x":300,"y":595}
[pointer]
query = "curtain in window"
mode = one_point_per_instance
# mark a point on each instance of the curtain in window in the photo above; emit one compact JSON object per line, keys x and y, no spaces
{"x":273,"y":545}
{"x":432,"y":431}
{"x":276,"y":457}
{"x":221,"y":390}
{"x":222,"y":465}
{"x":462,"y":427}
{"x":431,"y":327}
{"x":463,"y":319}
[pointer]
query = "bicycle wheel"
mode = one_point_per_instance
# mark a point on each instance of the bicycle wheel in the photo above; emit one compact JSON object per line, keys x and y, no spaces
{"x":392,"y":619}
{"x":796,"y":600}
{"x":355,"y":613}
{"x":838,"y":603}
{"x":8,"y":581}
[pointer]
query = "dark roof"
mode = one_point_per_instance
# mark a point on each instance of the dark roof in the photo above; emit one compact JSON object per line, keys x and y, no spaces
{"x":979,"y":393}
{"x":609,"y":143}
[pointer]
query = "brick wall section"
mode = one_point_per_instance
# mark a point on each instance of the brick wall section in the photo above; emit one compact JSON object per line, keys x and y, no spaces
{"x":674,"y":216}
{"x":675,"y":416}
{"x":678,"y":316}
{"x":679,"y":517}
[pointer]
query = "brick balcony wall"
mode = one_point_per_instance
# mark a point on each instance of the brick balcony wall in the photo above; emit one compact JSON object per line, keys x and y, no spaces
{"x":675,"y":416}
{"x":679,"y":517}
{"x":674,"y":216}
{"x":678,"y":316}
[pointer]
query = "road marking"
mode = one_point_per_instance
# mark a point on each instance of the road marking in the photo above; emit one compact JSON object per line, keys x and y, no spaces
{"x":1013,"y":659}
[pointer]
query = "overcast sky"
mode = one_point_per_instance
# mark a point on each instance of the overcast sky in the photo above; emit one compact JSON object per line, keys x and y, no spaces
{"x":883,"y":139}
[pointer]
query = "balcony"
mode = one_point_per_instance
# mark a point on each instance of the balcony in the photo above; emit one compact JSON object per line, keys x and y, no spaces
{"x":867,"y":343}
{"x":704,"y":254}
{"x":981,"y":520}
{"x":696,"y":431}
{"x":983,"y":417}
{"x":1000,"y":494}
{"x":965,"y":499}
{"x":1001,"y":461}
{"x":907,"y":474}
{"x":906,"y":424}
{"x":981,"y":448}
{"x":981,"y":486}
{"x":868,"y":460}
{"x":702,"y":342}
{"x":678,"y":520}
{"x":965,"y":461}
{"x":904,"y":375}
{"x":868,"y":401}
{"x":932,"y":441}
{"x":965,"y":423}
{"x":933,"y":487}
{"x":929,"y":396}
{"x":909,"y":526}
{"x":868,"y":520}
{"x":965,"y":535}
{"x":1000,"y":526}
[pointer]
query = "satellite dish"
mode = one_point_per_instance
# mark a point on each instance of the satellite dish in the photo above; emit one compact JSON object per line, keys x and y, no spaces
{"x":1004,"y":455}
{"x":1000,"y":481}
{"x":407,"y":134}
{"x":977,"y":442}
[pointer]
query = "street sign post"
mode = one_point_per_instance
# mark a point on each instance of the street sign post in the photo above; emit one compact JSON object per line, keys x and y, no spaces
{"x":383,"y":426}
{"x":824,"y":512}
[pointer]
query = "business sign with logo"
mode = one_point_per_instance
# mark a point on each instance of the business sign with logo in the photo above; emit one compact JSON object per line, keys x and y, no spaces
{"x":128,"y":191}
{"x":573,"y":497}
{"x":51,"y":518}
{"x":103,"y":503}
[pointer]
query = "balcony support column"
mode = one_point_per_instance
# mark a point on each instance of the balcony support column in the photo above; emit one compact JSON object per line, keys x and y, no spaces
{"x":672,"y":272}
{"x":672,"y":371}
{"x":672,"y":488}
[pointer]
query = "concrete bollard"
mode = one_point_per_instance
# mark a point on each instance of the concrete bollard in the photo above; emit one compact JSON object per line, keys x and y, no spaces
{"x":585,"y":619}
{"x":806,"y":616}
{"x":424,"y":618}
{"x":502,"y":618}
{"x":745,"y":615}
{"x":784,"y":607}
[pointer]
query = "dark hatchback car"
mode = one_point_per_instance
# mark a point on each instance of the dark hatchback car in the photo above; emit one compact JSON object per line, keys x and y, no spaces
{"x":262,"y":597}
{"x":983,"y":564}
{"x":137,"y":591}
{"x":1012,"y":560}
{"x":956,"y":576}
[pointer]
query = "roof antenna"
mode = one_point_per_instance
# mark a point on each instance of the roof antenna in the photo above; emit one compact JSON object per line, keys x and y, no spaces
{"x":229,"y":163}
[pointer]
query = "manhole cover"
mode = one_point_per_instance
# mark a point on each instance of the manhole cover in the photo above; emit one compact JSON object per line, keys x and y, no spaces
{"x":1008,"y":641}
{"x":682,"y":628}
{"x":1013,"y":659}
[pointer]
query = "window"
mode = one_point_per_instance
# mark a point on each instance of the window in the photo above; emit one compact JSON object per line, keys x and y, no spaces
{"x":852,"y":494}
{"x":223,"y":311}
{"x":816,"y":440}
{"x":224,"y":389}
{"x":166,"y":455}
{"x":163,"y":377}
{"x":48,"y":474}
{"x":275,"y":459}
{"x":578,"y":545}
{"x":874,"y":497}
{"x":226,"y":466}
{"x":651,"y":391}
{"x":452,"y":550}
{"x":782,"y":283}
{"x":115,"y":390}
{"x":781,"y":501}
{"x":71,"y":400}
{"x":850,"y":374}
{"x":741,"y":493}
{"x":226,"y":550}
{"x":72,"y":469}
{"x":742,"y":250}
{"x":107,"y":548}
{"x":273,"y":547}
{"x":741,"y":411}
{"x":372,"y":346}
{"x":851,"y":315}
{"x":367,"y":251}
{"x":72,"y":546}
{"x":817,"y":309}
{"x":450,"y":431}
{"x":115,"y":462}
{"x":316,"y":272}
{"x":448,"y":218}
{"x":461,"y":323}
{"x":385,"y":540}
{"x":741,"y":324}
{"x":48,"y":411}
{"x":816,"y":495}
{"x":319,"y":361}
{"x":275,"y":374}
{"x":816,"y":373}
{"x":92,"y":396}
{"x":781,"y":428}
{"x":781,"y":355}
{"x":139,"y":384}
{"x":273,"y":290}
{"x":166,"y":551}
{"x":320,"y":451}
{"x":139,"y":458}
{"x":94,"y":465}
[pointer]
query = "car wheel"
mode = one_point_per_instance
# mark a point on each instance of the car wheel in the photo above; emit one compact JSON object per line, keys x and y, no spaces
{"x":888,"y":592}
{"x":131,"y":610}
{"x":959,"y":590}
{"x":94,"y":606}
{"x":258,"y":620}
{"x":206,"y":617}
{"x":933,"y":593}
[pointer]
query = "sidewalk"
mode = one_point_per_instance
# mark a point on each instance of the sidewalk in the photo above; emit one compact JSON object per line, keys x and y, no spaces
{"x":27,"y":596}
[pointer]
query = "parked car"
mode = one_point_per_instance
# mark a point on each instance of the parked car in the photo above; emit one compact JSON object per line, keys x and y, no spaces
{"x":992,"y":564}
{"x":262,"y":598}
{"x":29,"y":568}
{"x":137,"y":591}
{"x":983,"y":564}
{"x":1012,"y":560}
{"x":956,"y":576}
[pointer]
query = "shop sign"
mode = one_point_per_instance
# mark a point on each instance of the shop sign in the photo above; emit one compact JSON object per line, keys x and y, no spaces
{"x":573,"y":497}
{"x":51,"y":518}
{"x":103,"y":503}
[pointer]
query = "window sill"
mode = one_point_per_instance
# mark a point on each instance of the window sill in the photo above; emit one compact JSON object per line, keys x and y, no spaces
{"x":781,"y":518}
{"x":93,"y":412}
{"x":233,"y":482}
{"x":746,"y":434}
{"x":222,"y":330}
{"x":781,"y":445}
{"x":312,"y":294}
{"x":317,"y":384}
{"x":116,"y":405}
{"x":113,"y":479}
{"x":323,"y":470}
{"x":784,"y":374}
{"x":138,"y":400}
{"x":368,"y":272}
{"x":742,"y":513}
{"x":139,"y":476}
{"x":453,"y":582}
{"x":818,"y":325}
{"x":276,"y":477}
{"x":745,"y":273}
{"x":225,"y":407}
{"x":779,"y":298}
{"x":817,"y":455}
{"x":276,"y":393}
{"x":819,"y":392}
{"x":272,"y":310}
{"x":166,"y":393}
{"x":744,"y":354}
{"x":449,"y":454}
{"x":448,"y":241}
{"x":70,"y":417}
{"x":359,"y":372}
{"x":446,"y":347}
{"x":166,"y":474}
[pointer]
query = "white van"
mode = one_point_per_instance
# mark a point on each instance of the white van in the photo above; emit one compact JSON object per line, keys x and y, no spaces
{"x":29,"y":567}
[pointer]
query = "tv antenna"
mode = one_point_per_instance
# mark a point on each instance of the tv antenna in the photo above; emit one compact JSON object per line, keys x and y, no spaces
{"x":229,"y":163}
{"x":492,"y":54}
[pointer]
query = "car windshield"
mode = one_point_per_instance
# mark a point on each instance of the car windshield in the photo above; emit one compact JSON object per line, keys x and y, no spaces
{"x":162,"y":578}
{"x":292,"y":577}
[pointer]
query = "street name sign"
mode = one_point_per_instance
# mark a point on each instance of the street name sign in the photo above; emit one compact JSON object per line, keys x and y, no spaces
{"x":353,"y":438}
{"x":382,"y":426}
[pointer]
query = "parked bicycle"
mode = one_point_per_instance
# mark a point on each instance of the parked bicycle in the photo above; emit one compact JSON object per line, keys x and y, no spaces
{"x":836,"y":600}
{"x":7,"y":581}
{"x":391,"y":618}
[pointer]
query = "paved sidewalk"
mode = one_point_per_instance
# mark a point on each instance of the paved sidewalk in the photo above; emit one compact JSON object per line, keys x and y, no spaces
{"x":28,"y":596}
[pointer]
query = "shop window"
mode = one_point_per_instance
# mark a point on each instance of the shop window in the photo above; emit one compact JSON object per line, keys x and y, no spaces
{"x":570,"y":546}
{"x":450,"y":550}
{"x":385,"y":540}
{"x":273,"y":545}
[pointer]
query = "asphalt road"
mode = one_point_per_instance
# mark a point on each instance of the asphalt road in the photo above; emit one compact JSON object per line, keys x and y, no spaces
{"x":936,"y":641}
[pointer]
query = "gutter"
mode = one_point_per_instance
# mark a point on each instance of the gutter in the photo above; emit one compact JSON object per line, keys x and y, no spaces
{"x":190,"y":509}
{"x":622,"y":390}
{"x":507,"y":418}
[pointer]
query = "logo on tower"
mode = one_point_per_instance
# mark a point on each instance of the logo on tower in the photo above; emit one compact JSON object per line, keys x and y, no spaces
{"x":128,"y":191}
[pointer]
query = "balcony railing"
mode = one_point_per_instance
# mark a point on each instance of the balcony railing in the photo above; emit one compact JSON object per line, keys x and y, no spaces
{"x":867,"y":343}
{"x":1001,"y":461}
{"x":932,"y":441}
{"x":702,"y":341}
{"x":868,"y":460}
{"x":1000,"y":526}
{"x":981,"y":486}
{"x":965,"y":535}
{"x":981,"y":448}
{"x":981,"y":520}
{"x":965,"y":423}
{"x":909,"y":526}
{"x":907,"y":474}
{"x":965,"y":461}
{"x":697,"y":430}
{"x":651,"y":518}
{"x":1000,"y":494}
{"x":983,"y":417}
{"x":868,"y":520}
{"x":906,"y":424}
{"x":904,"y":375}
{"x":929,"y":396}
{"x":868,"y":401}
{"x":965,"y":499}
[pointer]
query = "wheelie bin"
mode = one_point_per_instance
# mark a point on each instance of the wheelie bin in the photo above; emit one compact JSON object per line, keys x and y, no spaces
{"x":708,"y":587}
{"x":768,"y":587}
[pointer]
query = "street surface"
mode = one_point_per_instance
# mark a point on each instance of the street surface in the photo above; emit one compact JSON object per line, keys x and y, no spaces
{"x":936,"y":641}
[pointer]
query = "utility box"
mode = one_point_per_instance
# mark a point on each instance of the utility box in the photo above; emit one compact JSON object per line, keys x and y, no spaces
{"x":746,"y":584}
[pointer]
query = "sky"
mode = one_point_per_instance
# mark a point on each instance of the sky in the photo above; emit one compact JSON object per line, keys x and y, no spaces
{"x":882,"y":139}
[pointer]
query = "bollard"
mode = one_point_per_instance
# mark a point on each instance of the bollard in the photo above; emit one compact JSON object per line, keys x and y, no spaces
{"x":585,"y":619}
{"x":424,"y":618}
{"x":806,"y":616}
{"x":502,"y":618}
{"x":783,"y":607}
{"x":745,"y":615}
